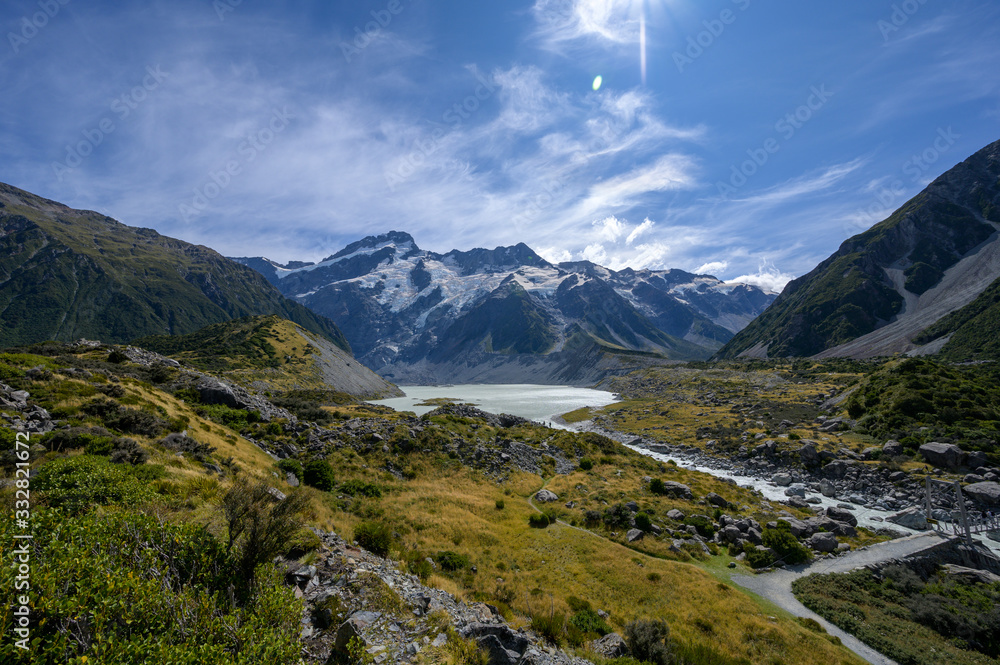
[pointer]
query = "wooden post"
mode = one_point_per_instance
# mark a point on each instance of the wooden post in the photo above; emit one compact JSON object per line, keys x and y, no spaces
{"x":930,"y":513}
{"x":965,"y":515}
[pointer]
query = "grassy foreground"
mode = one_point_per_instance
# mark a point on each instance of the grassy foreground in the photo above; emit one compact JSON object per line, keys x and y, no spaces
{"x":102,"y":504}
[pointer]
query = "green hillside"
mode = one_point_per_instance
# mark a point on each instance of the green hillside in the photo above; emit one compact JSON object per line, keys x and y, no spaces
{"x":67,"y":274}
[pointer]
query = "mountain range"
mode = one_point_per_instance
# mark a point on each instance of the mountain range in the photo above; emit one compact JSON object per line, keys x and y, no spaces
{"x":924,"y":281}
{"x":506,"y":314}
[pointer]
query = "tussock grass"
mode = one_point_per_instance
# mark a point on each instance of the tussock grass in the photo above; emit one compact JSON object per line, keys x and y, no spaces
{"x":453,"y":508}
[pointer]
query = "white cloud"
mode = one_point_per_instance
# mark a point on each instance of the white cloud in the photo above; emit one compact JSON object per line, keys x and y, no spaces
{"x":563,"y":23}
{"x":712,"y":268}
{"x":595,"y":253}
{"x":609,"y":229}
{"x":767,"y":277}
{"x":639,"y":230}
{"x":805,"y":185}
{"x":555,"y":254}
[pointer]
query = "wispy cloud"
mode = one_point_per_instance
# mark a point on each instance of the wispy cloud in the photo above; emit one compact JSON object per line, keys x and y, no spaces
{"x":565,"y":23}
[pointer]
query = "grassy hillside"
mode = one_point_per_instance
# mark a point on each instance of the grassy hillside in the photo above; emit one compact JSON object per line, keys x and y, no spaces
{"x":273,"y":354}
{"x":67,"y":274}
{"x":436,"y":486}
{"x":973,"y":329}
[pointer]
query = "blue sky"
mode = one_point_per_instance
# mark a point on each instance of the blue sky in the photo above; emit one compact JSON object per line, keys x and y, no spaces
{"x":736,"y":137}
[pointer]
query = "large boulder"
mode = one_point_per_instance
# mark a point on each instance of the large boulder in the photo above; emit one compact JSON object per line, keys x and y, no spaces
{"x":216,"y":392}
{"x":809,"y":455}
{"x":911,"y":518}
{"x":892,"y":449}
{"x":823,"y":523}
{"x":350,"y":629}
{"x":731,"y":535}
{"x":976,"y":459}
{"x":677,"y":490}
{"x":611,"y":645}
{"x":503,"y":645}
{"x":841,"y":515}
{"x":985,"y":492}
{"x":782,"y":479}
{"x":634,"y":535}
{"x":944,"y":455}
{"x":716,"y":500}
{"x":546,"y":496}
{"x":823,"y":542}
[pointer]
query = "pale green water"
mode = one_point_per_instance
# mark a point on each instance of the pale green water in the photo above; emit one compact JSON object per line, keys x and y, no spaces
{"x":535,"y":402}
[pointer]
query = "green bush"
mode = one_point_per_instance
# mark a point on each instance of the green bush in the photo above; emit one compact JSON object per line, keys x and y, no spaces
{"x":648,"y":641}
{"x":643,"y":522}
{"x":451,"y":561}
{"x":588,"y":621}
{"x":375,"y":537}
{"x":258,"y":527}
{"x":99,"y":445}
{"x":500,"y":504}
{"x":781,"y":540}
{"x":124,"y":580}
{"x":8,"y":438}
{"x":586,"y":464}
{"x":702,"y":524}
{"x":304,"y":541}
{"x":292,"y":466}
{"x":538,"y":520}
{"x":618,"y":517}
{"x":228,"y":416}
{"x":355,"y":487}
{"x":319,"y":474}
{"x":79,"y":483}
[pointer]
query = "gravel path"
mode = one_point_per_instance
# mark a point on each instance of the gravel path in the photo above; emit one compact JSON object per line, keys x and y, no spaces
{"x":777,"y":586}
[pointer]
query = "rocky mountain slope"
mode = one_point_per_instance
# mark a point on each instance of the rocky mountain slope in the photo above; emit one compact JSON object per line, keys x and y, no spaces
{"x":67,"y":274}
{"x":884,"y":290}
{"x":507,"y":314}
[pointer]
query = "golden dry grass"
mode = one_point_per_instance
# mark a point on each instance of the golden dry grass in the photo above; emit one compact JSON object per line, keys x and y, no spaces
{"x":454,"y":509}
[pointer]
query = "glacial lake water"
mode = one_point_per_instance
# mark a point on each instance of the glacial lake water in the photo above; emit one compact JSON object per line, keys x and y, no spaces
{"x":534,"y":402}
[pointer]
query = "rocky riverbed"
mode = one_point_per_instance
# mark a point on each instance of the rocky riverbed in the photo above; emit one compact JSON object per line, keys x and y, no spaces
{"x":804,"y":476}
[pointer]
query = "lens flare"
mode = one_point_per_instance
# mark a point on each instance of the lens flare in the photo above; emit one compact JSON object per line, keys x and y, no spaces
{"x":598,"y":82}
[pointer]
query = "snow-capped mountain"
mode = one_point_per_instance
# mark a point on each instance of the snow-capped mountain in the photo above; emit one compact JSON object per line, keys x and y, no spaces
{"x":410,"y":314}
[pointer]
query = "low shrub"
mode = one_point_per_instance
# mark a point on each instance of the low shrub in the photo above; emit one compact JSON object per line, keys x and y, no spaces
{"x":538,"y":520}
{"x":128,"y":451}
{"x":782,"y":541}
{"x":648,"y":641}
{"x":319,"y":474}
{"x":355,"y":487}
{"x":643,"y":522}
{"x":701,"y":523}
{"x":451,"y":561}
{"x":292,"y":466}
{"x":80,"y":483}
{"x":376,"y":537}
{"x":586,"y":464}
{"x":588,"y":621}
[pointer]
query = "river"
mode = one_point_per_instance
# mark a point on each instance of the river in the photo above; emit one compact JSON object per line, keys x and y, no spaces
{"x":545,"y":403}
